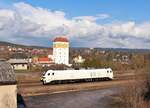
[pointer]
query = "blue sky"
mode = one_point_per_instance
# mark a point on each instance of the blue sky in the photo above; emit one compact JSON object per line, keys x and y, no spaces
{"x":137,"y":10}
{"x":128,"y":18}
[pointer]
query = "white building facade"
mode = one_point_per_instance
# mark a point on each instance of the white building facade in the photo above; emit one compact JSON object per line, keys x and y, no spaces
{"x":61,"y":50}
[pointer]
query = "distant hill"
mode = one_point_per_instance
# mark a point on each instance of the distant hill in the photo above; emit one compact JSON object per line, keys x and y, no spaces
{"x":114,"y":49}
{"x":124,"y":49}
{"x":2,"y":43}
{"x":76,"y":48}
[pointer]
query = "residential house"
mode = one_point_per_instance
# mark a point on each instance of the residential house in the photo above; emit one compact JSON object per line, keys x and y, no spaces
{"x":19,"y":64}
{"x":45,"y":61}
{"x":79,"y":60}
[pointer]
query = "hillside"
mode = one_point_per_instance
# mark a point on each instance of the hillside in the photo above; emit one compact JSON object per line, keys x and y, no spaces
{"x":2,"y":43}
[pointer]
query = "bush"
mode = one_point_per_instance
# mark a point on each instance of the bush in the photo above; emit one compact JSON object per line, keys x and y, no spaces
{"x":135,"y":95}
{"x":147,"y":91}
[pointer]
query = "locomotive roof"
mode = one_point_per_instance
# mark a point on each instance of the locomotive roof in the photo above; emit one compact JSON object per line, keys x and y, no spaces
{"x":83,"y":69}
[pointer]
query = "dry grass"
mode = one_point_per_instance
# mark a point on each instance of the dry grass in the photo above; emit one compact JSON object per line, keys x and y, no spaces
{"x":132,"y":96}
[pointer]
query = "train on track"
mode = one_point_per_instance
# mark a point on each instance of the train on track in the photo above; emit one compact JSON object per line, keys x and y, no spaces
{"x":61,"y":76}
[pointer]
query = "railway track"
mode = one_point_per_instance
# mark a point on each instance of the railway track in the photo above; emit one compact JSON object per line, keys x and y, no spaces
{"x":38,"y":83}
{"x":51,"y":89}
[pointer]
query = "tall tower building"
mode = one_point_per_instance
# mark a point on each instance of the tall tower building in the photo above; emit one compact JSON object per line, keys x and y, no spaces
{"x":61,"y":50}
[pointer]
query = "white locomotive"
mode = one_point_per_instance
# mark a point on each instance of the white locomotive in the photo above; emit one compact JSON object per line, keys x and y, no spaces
{"x":59,"y":76}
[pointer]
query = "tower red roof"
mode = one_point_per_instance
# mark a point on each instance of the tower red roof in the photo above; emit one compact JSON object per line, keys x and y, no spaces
{"x":61,"y":39}
{"x":44,"y":59}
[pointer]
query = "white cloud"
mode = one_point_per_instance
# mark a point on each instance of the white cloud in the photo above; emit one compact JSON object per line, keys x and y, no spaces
{"x":103,"y":16}
{"x":88,"y":18}
{"x":92,"y":18}
{"x":25,"y":23}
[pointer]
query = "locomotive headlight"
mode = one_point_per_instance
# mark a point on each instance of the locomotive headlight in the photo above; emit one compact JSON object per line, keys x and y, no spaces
{"x":42,"y":78}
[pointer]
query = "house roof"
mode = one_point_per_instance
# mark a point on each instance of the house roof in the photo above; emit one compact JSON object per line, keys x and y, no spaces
{"x":61,"y":39}
{"x":7,"y":75}
{"x":17,"y":61}
{"x":18,"y":56}
{"x":44,"y":59}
